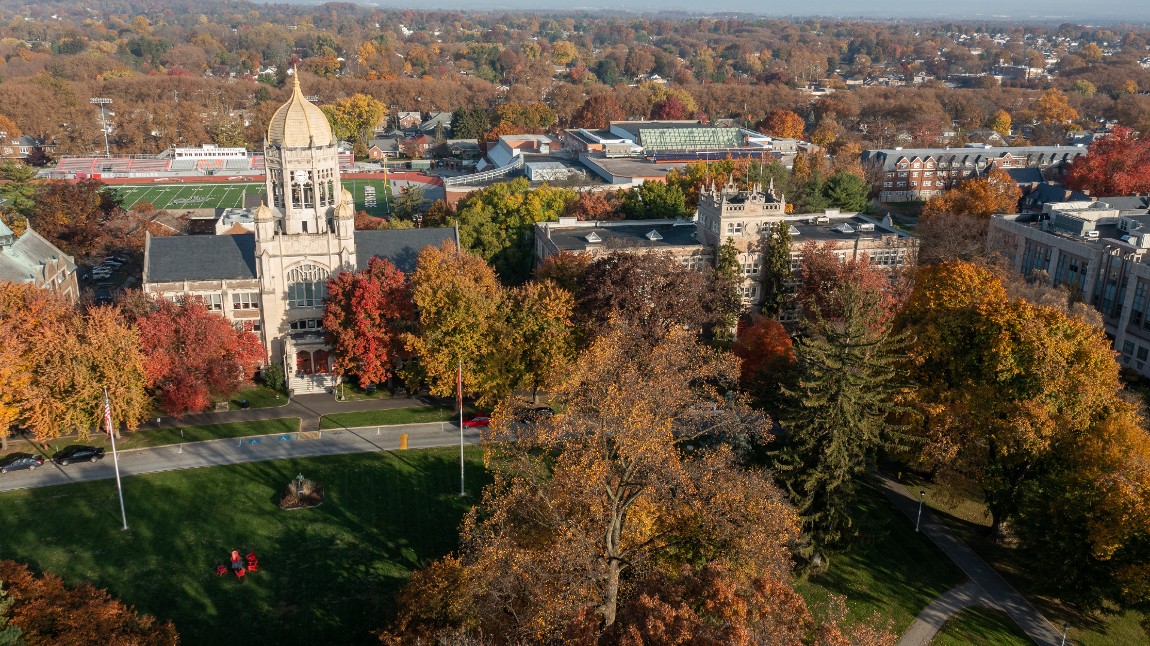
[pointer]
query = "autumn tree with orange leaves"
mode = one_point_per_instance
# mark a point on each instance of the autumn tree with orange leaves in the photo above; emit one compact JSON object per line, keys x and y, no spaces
{"x":48,"y":612}
{"x":1117,"y":164}
{"x":600,"y":524}
{"x":1002,"y":383}
{"x":62,"y":360}
{"x":981,"y":197}
{"x":784,"y":124}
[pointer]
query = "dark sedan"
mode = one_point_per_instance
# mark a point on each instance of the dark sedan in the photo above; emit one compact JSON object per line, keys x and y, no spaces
{"x":17,"y":461}
{"x":78,"y":453}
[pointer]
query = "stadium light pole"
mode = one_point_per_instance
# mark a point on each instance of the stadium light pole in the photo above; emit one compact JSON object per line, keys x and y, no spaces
{"x":100,"y":101}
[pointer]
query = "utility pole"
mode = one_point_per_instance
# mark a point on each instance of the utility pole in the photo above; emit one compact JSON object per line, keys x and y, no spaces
{"x":100,"y":101}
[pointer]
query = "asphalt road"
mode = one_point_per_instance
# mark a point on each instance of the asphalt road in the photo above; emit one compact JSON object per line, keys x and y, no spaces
{"x":213,"y":453}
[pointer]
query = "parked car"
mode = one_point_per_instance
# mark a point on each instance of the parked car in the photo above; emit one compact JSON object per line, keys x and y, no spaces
{"x":480,"y":419}
{"x":78,"y":453}
{"x":17,"y":461}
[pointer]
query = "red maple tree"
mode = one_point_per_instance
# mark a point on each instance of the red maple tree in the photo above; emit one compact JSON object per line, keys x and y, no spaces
{"x":763,"y":344}
{"x":1118,"y":164}
{"x":48,"y":612}
{"x":194,"y":353}
{"x":364,"y":317}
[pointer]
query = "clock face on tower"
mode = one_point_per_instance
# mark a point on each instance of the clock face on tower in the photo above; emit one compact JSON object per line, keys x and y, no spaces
{"x":300,"y":177}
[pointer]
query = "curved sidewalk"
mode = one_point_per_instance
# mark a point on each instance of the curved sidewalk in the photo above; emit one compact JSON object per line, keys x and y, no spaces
{"x":1004,"y":596}
{"x":212,"y":453}
{"x":932,"y":618}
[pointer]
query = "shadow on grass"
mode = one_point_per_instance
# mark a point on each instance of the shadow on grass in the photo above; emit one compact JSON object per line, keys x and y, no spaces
{"x":887,"y":568}
{"x":327,"y":574}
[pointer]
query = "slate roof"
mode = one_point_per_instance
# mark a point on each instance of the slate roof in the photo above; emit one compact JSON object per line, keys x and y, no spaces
{"x":1028,"y":175}
{"x":178,"y":258}
{"x":25,"y":258}
{"x":1140,"y":203}
{"x":976,"y":156}
{"x":400,"y":246}
{"x":233,"y":257}
{"x":629,"y":236}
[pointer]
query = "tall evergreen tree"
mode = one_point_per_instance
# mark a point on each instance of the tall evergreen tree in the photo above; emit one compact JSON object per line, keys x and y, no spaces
{"x":776,"y":269}
{"x":839,"y":412}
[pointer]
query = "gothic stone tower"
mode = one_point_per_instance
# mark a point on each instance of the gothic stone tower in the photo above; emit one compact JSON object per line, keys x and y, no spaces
{"x":305,"y":234}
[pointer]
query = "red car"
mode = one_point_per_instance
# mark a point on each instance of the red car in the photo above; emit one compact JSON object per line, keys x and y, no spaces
{"x":481,"y":419}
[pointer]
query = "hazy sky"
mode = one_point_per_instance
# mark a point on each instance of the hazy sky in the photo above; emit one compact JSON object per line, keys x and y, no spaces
{"x":1022,"y":10}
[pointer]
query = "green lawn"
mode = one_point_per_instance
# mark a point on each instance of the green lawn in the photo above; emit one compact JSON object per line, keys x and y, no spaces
{"x":257,"y":397}
{"x":352,"y":393}
{"x":981,"y":626}
{"x":888,"y":569}
{"x":414,"y":415}
{"x":959,"y":505}
{"x":165,"y":436}
{"x":327,"y":575}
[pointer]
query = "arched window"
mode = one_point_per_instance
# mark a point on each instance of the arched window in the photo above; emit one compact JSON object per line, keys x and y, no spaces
{"x":307,"y":286}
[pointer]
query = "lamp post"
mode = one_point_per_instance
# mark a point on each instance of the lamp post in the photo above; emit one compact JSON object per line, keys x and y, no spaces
{"x":921,"y":498}
{"x":100,"y":101}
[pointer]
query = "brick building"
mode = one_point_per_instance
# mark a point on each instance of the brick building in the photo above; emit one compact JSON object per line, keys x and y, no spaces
{"x":916,"y":174}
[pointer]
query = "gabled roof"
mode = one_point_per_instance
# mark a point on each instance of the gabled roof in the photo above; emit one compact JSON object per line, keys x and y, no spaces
{"x":400,"y":246}
{"x":26,"y":257}
{"x":178,"y":258}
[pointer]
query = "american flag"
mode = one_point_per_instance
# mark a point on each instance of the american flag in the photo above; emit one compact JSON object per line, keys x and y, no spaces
{"x":107,"y":414}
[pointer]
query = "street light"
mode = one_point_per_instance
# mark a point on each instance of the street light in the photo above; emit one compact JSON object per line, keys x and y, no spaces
{"x":100,"y":101}
{"x":921,"y":498}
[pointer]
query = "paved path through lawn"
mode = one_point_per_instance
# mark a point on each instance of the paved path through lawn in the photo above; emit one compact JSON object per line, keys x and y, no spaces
{"x":928,"y":622}
{"x":244,"y":449}
{"x":1004,"y":596}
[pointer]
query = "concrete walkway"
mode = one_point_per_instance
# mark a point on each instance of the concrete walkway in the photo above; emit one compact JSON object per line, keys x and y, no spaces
{"x":928,"y":622}
{"x":1003,"y":595}
{"x":245,"y":449}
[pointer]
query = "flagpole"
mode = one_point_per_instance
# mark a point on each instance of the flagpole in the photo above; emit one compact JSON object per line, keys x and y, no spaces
{"x":115,"y":457}
{"x":459,"y":383}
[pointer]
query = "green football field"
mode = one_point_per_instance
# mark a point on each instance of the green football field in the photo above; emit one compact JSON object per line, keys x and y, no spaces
{"x":174,"y":197}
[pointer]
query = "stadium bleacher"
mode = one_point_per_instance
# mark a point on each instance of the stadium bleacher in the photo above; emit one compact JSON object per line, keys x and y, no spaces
{"x":150,"y":165}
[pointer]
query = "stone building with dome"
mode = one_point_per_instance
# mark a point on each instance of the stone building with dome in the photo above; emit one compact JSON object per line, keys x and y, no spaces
{"x":273,"y":282}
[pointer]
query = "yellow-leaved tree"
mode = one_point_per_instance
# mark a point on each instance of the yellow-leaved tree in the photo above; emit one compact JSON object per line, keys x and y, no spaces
{"x":1002,"y":382}
{"x":625,"y":511}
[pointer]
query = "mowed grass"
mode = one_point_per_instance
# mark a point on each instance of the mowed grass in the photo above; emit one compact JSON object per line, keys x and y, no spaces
{"x":413,"y":415}
{"x":165,"y":436}
{"x":981,"y":626}
{"x":959,"y":505}
{"x":357,"y":187}
{"x":176,"y":196}
{"x":257,"y":397}
{"x":888,"y":570}
{"x":328,"y":575}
